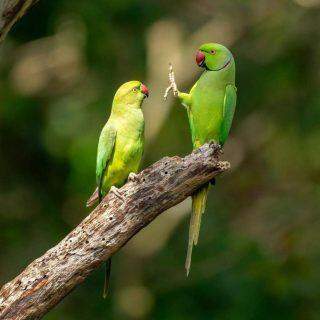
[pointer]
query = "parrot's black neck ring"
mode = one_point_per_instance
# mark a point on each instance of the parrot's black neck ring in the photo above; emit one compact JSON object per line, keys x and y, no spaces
{"x":223,"y":67}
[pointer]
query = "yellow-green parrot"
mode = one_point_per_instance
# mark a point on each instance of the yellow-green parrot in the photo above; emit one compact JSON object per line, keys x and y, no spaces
{"x":121,"y":145}
{"x":210,"y":106}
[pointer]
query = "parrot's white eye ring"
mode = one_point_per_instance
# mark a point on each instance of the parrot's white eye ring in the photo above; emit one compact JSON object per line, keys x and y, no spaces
{"x":134,"y":89}
{"x":213,"y":51}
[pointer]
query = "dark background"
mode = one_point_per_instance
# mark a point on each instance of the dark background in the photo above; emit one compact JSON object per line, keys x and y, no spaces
{"x":259,"y":250}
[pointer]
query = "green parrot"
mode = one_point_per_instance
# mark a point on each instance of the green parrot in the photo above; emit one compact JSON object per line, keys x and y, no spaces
{"x":121,"y":145}
{"x":210,"y":106}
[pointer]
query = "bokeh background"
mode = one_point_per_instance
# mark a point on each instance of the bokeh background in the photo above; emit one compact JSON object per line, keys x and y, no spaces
{"x":259,"y":251}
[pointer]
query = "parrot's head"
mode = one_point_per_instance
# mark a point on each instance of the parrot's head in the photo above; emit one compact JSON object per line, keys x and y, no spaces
{"x":214,"y":57}
{"x":132,"y":93}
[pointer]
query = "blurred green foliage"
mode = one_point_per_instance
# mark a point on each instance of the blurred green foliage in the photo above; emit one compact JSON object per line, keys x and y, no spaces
{"x":259,"y":249}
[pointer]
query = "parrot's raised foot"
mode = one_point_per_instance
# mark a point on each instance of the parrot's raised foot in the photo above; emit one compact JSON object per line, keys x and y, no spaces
{"x":116,"y":192}
{"x":172,"y":84}
{"x":133,"y":177}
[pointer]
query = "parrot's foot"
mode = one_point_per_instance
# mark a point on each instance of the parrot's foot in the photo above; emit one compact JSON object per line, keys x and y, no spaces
{"x":133,"y":177}
{"x":172,"y":84}
{"x":116,"y":192}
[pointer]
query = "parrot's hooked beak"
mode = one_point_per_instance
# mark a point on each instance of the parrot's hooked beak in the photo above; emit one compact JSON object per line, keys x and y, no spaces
{"x":200,"y":59}
{"x":144,"y":89}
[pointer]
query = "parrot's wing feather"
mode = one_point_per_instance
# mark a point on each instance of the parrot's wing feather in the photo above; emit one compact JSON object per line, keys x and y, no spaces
{"x":229,"y":106}
{"x":105,"y":151}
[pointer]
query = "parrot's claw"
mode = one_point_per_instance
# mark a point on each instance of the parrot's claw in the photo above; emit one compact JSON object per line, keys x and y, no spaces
{"x":172,"y":84}
{"x":133,"y":177}
{"x":116,"y":192}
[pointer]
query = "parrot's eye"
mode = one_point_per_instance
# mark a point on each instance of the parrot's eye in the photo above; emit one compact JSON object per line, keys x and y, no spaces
{"x":213,"y":51}
{"x":135,"y":89}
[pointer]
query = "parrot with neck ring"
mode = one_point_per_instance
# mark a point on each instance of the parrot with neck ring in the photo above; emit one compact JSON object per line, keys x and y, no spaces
{"x":210,"y":105}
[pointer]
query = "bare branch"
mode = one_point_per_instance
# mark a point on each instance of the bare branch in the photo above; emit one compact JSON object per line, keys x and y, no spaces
{"x":10,"y":12}
{"x":51,"y":277}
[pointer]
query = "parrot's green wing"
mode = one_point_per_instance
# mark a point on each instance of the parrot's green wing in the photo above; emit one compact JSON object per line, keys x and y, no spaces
{"x":229,"y":106}
{"x":105,"y":150}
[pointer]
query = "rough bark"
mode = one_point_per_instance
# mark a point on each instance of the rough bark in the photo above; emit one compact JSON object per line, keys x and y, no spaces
{"x":10,"y":12}
{"x":51,"y":277}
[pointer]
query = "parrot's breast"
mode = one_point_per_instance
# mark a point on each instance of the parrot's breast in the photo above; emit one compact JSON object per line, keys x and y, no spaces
{"x":206,"y":111}
{"x":128,"y":152}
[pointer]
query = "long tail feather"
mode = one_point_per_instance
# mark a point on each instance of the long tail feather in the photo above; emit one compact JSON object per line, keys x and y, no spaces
{"x":203,"y":194}
{"x":199,"y":200}
{"x":96,"y":197}
{"x":190,"y":242}
{"x":106,"y":278}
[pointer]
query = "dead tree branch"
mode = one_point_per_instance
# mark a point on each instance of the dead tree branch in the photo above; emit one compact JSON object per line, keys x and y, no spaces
{"x":10,"y":12}
{"x":51,"y":277}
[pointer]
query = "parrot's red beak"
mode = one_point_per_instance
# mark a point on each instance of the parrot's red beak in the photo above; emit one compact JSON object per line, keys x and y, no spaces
{"x":144,"y":89}
{"x":200,"y":59}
